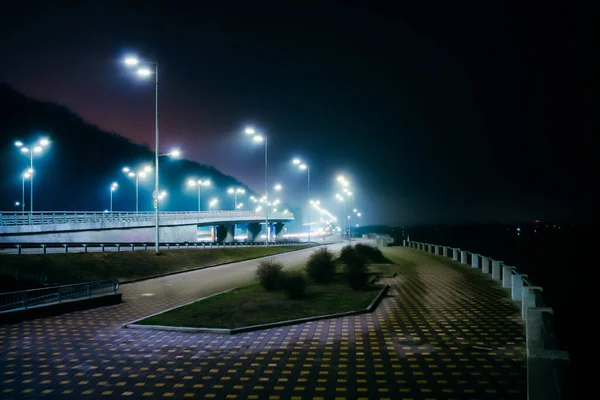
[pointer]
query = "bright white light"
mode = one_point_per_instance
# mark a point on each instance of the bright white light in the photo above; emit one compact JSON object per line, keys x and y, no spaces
{"x":145,"y":72}
{"x":131,"y":174}
{"x":44,"y":142}
{"x":278,"y":187}
{"x":240,"y":205}
{"x":258,"y":208}
{"x":142,"y":174}
{"x":230,"y":191}
{"x":24,"y":150}
{"x":341,"y":179}
{"x":163,"y":193}
{"x":18,"y":143}
{"x":242,"y":191}
{"x":192,"y":182}
{"x":175,"y":153}
{"x":349,"y":193}
{"x":213,"y":202}
{"x":354,"y":210}
{"x":17,"y":203}
{"x":37,"y":149}
{"x":303,"y":166}
{"x":205,"y":182}
{"x":359,"y":214}
{"x":105,"y":211}
{"x":26,"y":175}
{"x":249,"y":131}
{"x":357,"y":225}
{"x":30,"y":171}
{"x":258,"y":138}
{"x":147,"y":168}
{"x":131,"y":61}
{"x":126,"y":169}
{"x":296,"y":161}
{"x":348,"y":217}
{"x":285,"y":211}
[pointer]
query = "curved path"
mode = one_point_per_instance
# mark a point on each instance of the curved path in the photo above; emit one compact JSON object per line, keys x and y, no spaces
{"x":418,"y":344}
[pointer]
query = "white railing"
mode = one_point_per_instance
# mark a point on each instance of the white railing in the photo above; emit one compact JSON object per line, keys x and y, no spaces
{"x":544,"y":359}
{"x":82,"y":217}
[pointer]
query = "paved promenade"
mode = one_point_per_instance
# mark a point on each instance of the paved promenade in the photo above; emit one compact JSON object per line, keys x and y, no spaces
{"x":417,"y":345}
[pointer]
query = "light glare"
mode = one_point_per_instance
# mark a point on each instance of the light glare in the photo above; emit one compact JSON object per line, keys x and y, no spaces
{"x":131,"y":61}
{"x":145,"y":72}
{"x":258,"y":138}
{"x":18,"y":143}
{"x":249,"y":131}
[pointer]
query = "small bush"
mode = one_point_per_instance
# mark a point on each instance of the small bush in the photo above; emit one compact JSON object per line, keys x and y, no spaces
{"x":294,"y":284}
{"x":321,"y":266}
{"x":269,"y":274}
{"x":371,"y":253}
{"x":347,"y":254}
{"x":356,"y":267}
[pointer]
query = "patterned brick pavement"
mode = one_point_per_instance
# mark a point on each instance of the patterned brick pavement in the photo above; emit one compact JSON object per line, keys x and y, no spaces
{"x":417,"y":345}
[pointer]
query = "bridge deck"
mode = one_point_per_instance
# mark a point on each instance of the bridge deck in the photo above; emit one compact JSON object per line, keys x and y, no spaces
{"x":418,"y":345}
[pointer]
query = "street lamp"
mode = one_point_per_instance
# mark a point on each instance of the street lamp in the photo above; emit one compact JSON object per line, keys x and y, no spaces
{"x":34,"y":148}
{"x":241,"y":205}
{"x":113,"y":187}
{"x":213,"y":202}
{"x":304,"y":166}
{"x":25,"y":175}
{"x":343,"y":200}
{"x":235,"y":192}
{"x":199,"y":183}
{"x":261,"y":138}
{"x":145,"y":72}
{"x":137,"y":175}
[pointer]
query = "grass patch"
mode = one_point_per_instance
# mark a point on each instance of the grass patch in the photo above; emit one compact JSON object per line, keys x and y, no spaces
{"x":125,"y":265}
{"x":252,"y":305}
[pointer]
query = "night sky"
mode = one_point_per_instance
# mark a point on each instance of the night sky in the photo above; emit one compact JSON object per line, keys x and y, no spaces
{"x":442,"y":113}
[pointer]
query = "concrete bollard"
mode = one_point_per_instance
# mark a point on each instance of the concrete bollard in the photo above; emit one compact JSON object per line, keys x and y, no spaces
{"x":403,"y":242}
{"x":496,"y":270}
{"x":474,"y":260}
{"x":528,"y":299}
{"x":517,"y":286}
{"x":463,"y":257}
{"x":485,"y":265}
{"x":421,"y":246}
{"x":455,"y":254}
{"x":507,"y":276}
{"x":445,"y":251}
{"x":435,"y":249}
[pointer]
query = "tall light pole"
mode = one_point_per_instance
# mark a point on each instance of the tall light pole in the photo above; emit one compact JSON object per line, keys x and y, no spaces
{"x":304,"y":166}
{"x":113,"y":187}
{"x":341,"y":198}
{"x":34,"y":148}
{"x":146,"y":72}
{"x":137,"y":176}
{"x":25,"y":175}
{"x":234,"y":192}
{"x":199,"y":183}
{"x":261,"y":138}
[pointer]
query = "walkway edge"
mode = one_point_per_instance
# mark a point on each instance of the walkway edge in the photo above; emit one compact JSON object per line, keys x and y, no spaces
{"x":371,"y":307}
{"x":211,"y":266}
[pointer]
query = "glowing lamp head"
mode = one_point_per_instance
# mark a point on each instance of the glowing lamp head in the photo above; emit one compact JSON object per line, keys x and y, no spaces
{"x":296,"y":161}
{"x":147,"y":168}
{"x":175,"y":153}
{"x":26,"y":175}
{"x":303,"y":166}
{"x":230,"y":191}
{"x":126,"y":169}
{"x":206,"y":183}
{"x":18,"y":143}
{"x":192,"y":182}
{"x":258,"y":138}
{"x":131,"y":174}
{"x":144,"y":72}
{"x":278,"y":187}
{"x":131,"y":61}
{"x":249,"y":131}
{"x":37,"y":149}
{"x":242,"y":191}
{"x":44,"y":142}
{"x":142,"y":174}
{"x":359,"y":214}
{"x":24,"y":150}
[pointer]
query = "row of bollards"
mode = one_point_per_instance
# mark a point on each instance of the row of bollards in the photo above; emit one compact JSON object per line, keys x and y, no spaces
{"x":542,"y":357}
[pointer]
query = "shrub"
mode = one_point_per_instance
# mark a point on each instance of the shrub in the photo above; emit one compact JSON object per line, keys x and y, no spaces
{"x":269,"y":274}
{"x":347,"y":254}
{"x":371,"y":253}
{"x":356,"y":272}
{"x":321,"y":266}
{"x":294,"y":284}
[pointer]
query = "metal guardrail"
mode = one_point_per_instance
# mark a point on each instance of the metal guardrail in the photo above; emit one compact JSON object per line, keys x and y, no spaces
{"x":70,"y":217}
{"x":25,"y":299}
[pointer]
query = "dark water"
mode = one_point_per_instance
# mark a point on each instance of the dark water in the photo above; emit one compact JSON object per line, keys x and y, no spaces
{"x":558,"y":257}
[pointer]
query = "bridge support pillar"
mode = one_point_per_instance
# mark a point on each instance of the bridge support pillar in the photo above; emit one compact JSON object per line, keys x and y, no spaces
{"x":485,"y":265}
{"x":230,"y":236}
{"x":455,"y":254}
{"x":252,"y":232}
{"x":463,"y":257}
{"x":507,"y":276}
{"x":221,"y":233}
{"x":475,"y":260}
{"x":496,"y":270}
{"x":517,"y":287}
{"x":278,"y":230}
{"x":445,"y":251}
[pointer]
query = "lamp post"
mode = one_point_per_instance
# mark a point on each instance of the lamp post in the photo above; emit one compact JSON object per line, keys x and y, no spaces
{"x":304,"y":166}
{"x":34,"y":148}
{"x":137,"y":176}
{"x":25,"y":175}
{"x":199,"y":183}
{"x":213,"y":202}
{"x":146,"y":72}
{"x":113,"y":187}
{"x":234,"y":192}
{"x":261,"y":138}
{"x":341,"y":198}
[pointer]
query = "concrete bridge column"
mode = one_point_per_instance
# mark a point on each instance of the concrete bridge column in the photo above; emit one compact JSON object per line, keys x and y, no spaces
{"x":485,"y":265}
{"x":252,"y":232}
{"x":221,"y":233}
{"x":455,"y":254}
{"x":463,"y":257}
{"x":528,"y":299}
{"x":517,"y":286}
{"x":507,"y":276}
{"x":278,"y":229}
{"x":445,"y":251}
{"x":230,"y":236}
{"x":475,"y":260}
{"x":496,"y":270}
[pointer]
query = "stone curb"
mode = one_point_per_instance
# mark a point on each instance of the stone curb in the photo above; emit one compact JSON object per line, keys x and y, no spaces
{"x":212,"y":265}
{"x":243,"y":329}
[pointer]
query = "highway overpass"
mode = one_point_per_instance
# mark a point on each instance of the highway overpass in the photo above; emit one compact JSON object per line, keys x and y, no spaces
{"x":131,"y":227}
